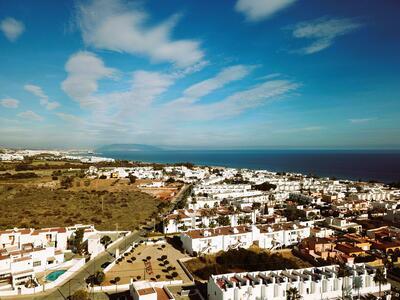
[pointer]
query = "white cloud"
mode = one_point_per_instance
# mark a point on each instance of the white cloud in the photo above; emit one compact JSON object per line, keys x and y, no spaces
{"x":84,"y":70}
{"x":234,"y":104}
{"x":12,"y":28}
{"x":256,"y":10}
{"x":300,"y":129}
{"x":323,"y":31}
{"x":9,"y":102}
{"x":44,"y":99}
{"x":148,"y":85}
{"x":113,"y":25}
{"x":69,"y":118}
{"x":30,"y":115}
{"x":203,"y":88}
{"x":360,"y":121}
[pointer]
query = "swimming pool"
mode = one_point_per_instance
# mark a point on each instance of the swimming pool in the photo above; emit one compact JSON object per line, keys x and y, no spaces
{"x":54,"y":275}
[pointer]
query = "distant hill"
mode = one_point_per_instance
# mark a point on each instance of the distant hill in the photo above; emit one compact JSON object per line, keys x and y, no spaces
{"x":127,"y":147}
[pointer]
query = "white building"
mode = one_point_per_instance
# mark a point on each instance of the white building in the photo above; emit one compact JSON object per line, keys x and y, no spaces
{"x":342,"y":224}
{"x":187,"y":219}
{"x":311,"y":283}
{"x":144,"y":290}
{"x":282,"y":235}
{"x":18,"y":265}
{"x":48,"y":237}
{"x":219,"y":239}
{"x":225,"y":238}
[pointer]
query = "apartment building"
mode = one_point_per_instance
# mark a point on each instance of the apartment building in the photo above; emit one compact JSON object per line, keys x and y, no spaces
{"x":185,"y":219}
{"x":48,"y":237}
{"x":19,"y":264}
{"x":311,"y":283}
{"x":225,"y":238}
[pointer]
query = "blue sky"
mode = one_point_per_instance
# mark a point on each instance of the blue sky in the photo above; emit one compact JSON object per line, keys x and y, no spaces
{"x":200,"y":74}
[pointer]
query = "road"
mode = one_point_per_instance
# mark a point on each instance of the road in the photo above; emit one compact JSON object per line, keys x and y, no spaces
{"x":78,"y":280}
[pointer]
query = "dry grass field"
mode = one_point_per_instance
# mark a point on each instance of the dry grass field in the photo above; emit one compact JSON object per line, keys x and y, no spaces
{"x":43,"y":201}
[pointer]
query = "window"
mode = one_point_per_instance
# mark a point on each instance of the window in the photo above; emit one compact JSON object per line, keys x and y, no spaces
{"x":37,"y":263}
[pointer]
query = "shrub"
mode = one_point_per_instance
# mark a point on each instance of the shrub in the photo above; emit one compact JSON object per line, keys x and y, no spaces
{"x":80,"y":295}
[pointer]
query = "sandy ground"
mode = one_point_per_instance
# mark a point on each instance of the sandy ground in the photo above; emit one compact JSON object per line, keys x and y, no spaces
{"x":127,"y":270}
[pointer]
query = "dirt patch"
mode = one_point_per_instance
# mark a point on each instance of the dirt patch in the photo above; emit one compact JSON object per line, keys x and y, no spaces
{"x":148,"y":263}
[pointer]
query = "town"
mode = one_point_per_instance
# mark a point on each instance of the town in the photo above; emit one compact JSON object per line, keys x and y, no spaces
{"x":220,"y":233}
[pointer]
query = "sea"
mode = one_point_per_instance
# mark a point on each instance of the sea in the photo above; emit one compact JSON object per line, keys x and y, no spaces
{"x":371,"y":165}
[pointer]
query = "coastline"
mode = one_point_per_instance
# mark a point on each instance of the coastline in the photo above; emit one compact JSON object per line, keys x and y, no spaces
{"x":365,"y":165}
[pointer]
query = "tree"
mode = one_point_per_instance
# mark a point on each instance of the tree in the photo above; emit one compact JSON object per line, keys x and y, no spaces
{"x":351,"y":230}
{"x":357,"y":284}
{"x":344,"y":273}
{"x":105,"y":240}
{"x":380,"y":278}
{"x":116,"y":280}
{"x":292,"y":294}
{"x":99,"y":277}
{"x":77,"y":241}
{"x":66,"y":182}
{"x":223,"y":221}
{"x":80,"y":295}
{"x":132,"y":179}
{"x":266,"y":186}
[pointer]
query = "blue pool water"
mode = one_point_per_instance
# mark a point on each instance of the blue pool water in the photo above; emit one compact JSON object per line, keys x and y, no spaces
{"x":54,"y":275}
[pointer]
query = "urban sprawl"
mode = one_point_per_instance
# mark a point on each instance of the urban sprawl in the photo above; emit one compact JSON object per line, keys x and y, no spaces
{"x":345,"y":233}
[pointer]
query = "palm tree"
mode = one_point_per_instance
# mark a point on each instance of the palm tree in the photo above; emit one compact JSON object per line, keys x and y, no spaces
{"x":293,"y":294}
{"x":343,"y":272}
{"x":380,"y":278}
{"x":357,"y":284}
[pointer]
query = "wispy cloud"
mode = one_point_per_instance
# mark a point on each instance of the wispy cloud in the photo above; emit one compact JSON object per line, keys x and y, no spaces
{"x":236,"y":103}
{"x":300,"y":129}
{"x":30,"y":115}
{"x":12,"y":28}
{"x":44,"y":99}
{"x":256,"y":10}
{"x":322,"y":32}
{"x":205,"y":87}
{"x":69,"y":118}
{"x":9,"y":103}
{"x":361,"y":120}
{"x":116,"y":26}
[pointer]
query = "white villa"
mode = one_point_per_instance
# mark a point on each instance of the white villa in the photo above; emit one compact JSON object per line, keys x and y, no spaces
{"x":225,"y":238}
{"x":186,"y":219}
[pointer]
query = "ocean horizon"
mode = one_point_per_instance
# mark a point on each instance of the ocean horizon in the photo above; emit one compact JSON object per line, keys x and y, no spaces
{"x":366,"y":165}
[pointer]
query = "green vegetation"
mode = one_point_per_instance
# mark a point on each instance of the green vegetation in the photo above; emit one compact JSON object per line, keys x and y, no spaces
{"x":80,"y":295}
{"x":265,"y":186}
{"x":241,"y":260}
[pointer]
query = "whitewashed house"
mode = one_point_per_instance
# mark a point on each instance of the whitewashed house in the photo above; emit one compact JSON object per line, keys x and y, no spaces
{"x":311,"y":283}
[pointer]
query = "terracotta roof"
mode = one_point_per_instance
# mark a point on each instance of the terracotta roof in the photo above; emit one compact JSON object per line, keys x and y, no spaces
{"x":347,"y":248}
{"x":161,"y":294}
{"x":146,"y":291}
